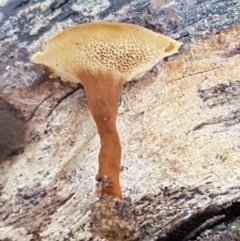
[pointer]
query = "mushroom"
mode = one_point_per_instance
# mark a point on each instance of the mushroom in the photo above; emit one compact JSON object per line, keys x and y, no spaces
{"x":103,"y":57}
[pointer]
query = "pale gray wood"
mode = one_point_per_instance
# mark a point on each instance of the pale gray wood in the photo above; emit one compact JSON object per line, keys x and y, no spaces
{"x":179,"y":126}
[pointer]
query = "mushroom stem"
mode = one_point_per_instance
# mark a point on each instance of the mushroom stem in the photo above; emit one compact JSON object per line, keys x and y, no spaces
{"x":103,"y":96}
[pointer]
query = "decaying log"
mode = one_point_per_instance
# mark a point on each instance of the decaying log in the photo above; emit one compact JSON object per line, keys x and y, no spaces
{"x":179,"y":125}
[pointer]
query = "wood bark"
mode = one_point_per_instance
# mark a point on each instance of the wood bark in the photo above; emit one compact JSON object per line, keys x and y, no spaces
{"x":179,"y":125}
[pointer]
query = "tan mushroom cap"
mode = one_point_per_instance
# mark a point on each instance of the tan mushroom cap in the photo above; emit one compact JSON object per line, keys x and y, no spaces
{"x":122,"y":51}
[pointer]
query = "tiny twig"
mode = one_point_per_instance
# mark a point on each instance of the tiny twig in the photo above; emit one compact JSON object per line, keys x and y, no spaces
{"x":204,"y":226}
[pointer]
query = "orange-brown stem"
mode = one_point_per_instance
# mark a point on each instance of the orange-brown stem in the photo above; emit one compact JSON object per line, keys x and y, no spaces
{"x":103,"y":96}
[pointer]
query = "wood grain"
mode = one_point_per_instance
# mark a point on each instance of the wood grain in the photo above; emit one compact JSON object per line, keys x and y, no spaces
{"x":179,"y":125}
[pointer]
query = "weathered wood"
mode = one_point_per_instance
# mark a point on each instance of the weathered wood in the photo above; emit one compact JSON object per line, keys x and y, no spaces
{"x":179,"y":126}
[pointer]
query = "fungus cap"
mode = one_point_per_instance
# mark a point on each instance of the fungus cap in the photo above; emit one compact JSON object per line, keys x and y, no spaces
{"x":123,"y":51}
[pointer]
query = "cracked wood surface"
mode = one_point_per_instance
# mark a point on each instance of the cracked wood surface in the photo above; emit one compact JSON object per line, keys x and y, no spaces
{"x":179,"y":126}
